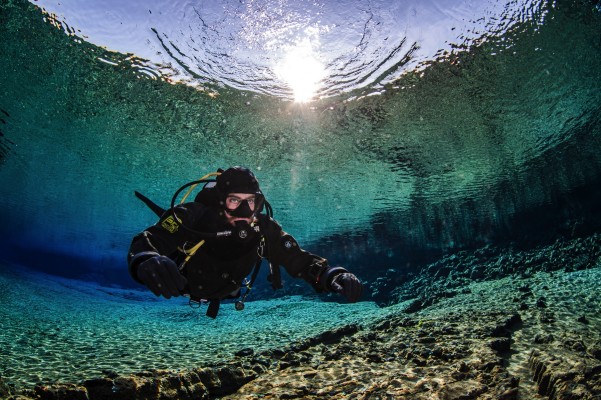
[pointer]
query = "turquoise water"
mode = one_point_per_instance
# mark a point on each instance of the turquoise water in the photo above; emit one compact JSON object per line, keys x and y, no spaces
{"x":434,"y":127}
{"x":441,"y":158}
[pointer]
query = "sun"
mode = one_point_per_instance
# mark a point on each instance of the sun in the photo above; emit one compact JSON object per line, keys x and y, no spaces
{"x":302,"y":71}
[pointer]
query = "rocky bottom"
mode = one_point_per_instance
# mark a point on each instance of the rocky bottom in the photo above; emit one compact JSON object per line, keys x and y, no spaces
{"x":514,"y":338}
{"x":509,"y":339}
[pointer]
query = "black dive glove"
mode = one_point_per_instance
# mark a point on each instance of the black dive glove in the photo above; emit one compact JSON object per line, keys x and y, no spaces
{"x":161,"y":275}
{"x":348,"y":285}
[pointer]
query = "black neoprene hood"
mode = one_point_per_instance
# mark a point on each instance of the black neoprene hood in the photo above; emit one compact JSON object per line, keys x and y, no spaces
{"x":237,"y":180}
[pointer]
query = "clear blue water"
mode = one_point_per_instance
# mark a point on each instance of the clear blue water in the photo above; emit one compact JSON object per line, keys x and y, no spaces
{"x":453,"y":148}
{"x":433,"y":126}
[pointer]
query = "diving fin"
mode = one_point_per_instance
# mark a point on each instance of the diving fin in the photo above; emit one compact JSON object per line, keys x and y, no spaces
{"x":159,"y":211}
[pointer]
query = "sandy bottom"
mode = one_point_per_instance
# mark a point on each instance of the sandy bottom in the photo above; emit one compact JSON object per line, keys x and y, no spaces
{"x":513,"y":338}
{"x":61,"y":330}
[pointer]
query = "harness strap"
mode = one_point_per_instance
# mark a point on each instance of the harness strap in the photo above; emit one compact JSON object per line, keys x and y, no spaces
{"x":253,"y":278}
{"x":240,"y":303}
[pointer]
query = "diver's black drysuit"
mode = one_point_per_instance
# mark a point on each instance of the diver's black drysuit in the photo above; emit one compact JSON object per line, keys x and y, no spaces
{"x":219,"y":266}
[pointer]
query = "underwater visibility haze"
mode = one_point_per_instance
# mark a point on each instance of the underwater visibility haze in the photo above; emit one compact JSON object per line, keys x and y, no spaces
{"x":385,"y":134}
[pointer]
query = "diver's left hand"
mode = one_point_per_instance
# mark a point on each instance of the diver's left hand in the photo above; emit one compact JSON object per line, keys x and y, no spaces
{"x":347,"y":285}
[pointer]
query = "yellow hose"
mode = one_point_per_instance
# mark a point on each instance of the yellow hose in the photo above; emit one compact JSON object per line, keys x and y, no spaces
{"x":193,"y":186}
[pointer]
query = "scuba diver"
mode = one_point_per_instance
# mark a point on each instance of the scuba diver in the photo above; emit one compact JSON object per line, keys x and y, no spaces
{"x":206,"y":249}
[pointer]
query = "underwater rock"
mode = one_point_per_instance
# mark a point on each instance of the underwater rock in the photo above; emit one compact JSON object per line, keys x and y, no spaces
{"x":189,"y":385}
{"x":508,"y":389}
{"x":379,"y":290}
{"x":102,"y":388}
{"x":68,"y":391}
{"x":232,"y":377}
{"x":462,"y":390}
{"x":509,"y":394}
{"x":334,"y":335}
{"x":575,"y":345}
{"x":478,"y":273}
{"x":414,"y":307}
{"x":244,"y":352}
{"x":146,"y":388}
{"x":440,"y":279}
{"x":595,"y":351}
{"x":561,"y":379}
{"x":4,"y":389}
{"x":543,"y":339}
{"x":505,"y":328}
{"x":541,"y":303}
{"x":209,"y":378}
{"x":501,"y":345}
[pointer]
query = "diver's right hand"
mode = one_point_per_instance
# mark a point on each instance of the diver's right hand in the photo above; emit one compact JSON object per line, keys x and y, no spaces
{"x":161,"y":275}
